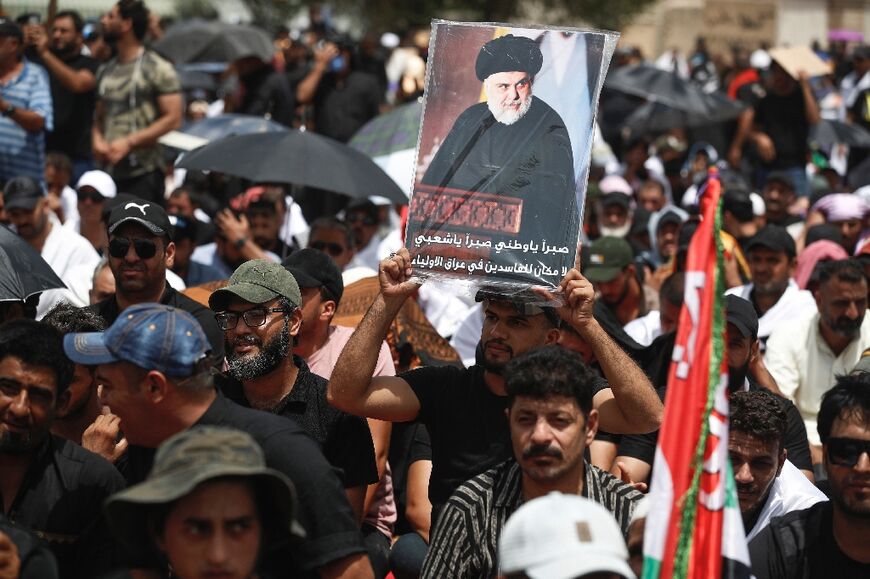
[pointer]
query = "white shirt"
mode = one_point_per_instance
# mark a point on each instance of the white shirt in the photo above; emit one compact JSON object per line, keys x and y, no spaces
{"x":69,"y":203}
{"x":790,"y":491}
{"x":645,"y":329}
{"x":804,"y":366}
{"x":794,"y":303}
{"x":64,"y":249}
{"x":467,"y":335}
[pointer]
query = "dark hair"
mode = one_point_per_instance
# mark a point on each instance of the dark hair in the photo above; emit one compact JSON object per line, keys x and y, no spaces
{"x":39,"y":345}
{"x":333,"y":223}
{"x":78,"y":22}
{"x":59,"y":161}
{"x":848,"y":399}
{"x":550,"y":371}
{"x":824,"y":231}
{"x":136,"y":11}
{"x":845,"y":270}
{"x":759,"y":414}
{"x":673,"y":289}
{"x":67,"y":319}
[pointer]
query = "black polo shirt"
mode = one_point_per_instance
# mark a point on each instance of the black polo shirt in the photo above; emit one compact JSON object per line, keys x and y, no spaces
{"x":109,"y":310}
{"x":61,"y":501}
{"x":345,"y":439}
{"x":324,"y":513}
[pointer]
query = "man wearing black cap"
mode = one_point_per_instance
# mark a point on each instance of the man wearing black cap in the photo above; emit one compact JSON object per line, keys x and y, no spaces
{"x":464,"y":410}
{"x":612,"y":271}
{"x":140,"y":251}
{"x":514,"y":144}
{"x":774,"y":294}
{"x":779,"y":194}
{"x":62,"y":248}
{"x":25,"y":106}
{"x":737,"y":217}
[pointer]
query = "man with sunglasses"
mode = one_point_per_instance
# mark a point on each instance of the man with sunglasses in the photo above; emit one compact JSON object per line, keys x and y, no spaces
{"x":140,"y":252}
{"x":260,"y":312}
{"x":830,"y":539}
{"x":93,"y":189}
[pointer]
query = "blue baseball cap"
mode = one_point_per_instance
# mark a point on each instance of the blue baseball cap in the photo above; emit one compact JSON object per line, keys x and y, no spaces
{"x":151,"y":336}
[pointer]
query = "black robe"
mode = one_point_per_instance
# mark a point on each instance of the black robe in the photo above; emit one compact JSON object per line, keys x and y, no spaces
{"x":530,"y":160}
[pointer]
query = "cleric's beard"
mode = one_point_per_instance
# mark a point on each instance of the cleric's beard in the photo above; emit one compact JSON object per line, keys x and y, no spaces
{"x":509,"y":116}
{"x":615,"y":231}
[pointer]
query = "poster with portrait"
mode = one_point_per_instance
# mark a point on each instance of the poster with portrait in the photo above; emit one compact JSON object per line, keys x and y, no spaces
{"x":503,"y":153}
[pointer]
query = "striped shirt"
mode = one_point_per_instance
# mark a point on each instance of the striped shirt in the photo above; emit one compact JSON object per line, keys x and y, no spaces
{"x":465,"y":539}
{"x":22,"y":153}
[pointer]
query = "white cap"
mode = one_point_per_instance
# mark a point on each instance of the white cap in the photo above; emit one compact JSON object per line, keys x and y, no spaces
{"x":758,"y":207}
{"x":560,"y":537}
{"x":614,"y":184}
{"x":100,"y":181}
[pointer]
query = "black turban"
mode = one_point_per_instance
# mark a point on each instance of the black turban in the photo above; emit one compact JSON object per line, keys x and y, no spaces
{"x":508,"y":54}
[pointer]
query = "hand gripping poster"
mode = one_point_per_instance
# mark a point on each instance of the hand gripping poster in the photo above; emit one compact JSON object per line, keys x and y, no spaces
{"x":503,"y":153}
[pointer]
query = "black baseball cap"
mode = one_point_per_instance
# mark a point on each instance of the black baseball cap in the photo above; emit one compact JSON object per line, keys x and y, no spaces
{"x":313,"y":268}
{"x":739,"y":204}
{"x":23,"y":193}
{"x":774,"y":238}
{"x":741,"y":314}
{"x":146,"y":213}
{"x":780,"y":177}
{"x":9,"y":28}
{"x":617,"y":198}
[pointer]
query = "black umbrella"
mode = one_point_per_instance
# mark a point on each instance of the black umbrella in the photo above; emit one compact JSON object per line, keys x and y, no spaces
{"x":659,"y":86}
{"x":23,"y":272}
{"x":295,"y":157}
{"x":654,"y":117}
{"x":208,"y":41}
{"x":839,"y":133}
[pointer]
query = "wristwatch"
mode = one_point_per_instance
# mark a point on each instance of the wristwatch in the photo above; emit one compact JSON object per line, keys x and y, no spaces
{"x":9,"y":110}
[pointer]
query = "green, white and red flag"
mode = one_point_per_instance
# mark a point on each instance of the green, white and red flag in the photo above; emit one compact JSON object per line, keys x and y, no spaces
{"x":694,"y":527}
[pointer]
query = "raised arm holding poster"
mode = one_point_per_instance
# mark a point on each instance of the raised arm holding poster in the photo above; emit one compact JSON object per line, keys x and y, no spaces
{"x":503,"y":154}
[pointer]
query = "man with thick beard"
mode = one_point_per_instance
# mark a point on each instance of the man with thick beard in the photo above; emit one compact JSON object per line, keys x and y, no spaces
{"x":774,"y":294}
{"x":73,"y":87}
{"x":260,"y":312}
{"x":804,"y":355}
{"x":513,"y":145}
{"x":48,"y":484}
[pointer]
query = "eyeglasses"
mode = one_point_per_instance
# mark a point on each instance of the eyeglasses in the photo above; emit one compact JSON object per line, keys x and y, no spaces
{"x":847,"y":451}
{"x":119,"y":246}
{"x":366,"y":219}
{"x":90,"y":194}
{"x":254,"y":318}
{"x":333,"y":249}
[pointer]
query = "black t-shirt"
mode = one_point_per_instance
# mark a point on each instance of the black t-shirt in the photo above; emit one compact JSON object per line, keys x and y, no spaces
{"x":324,"y":513}
{"x":73,"y":113}
{"x":467,"y":425}
{"x":108,"y":309}
{"x":643,"y":446}
{"x":341,"y":107}
{"x":61,"y":501}
{"x":784,"y":120}
{"x":345,"y":439}
{"x":268,"y":93}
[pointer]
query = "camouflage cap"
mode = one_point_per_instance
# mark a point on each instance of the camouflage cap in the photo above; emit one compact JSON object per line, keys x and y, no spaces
{"x":185,"y":461}
{"x":257,"y":281}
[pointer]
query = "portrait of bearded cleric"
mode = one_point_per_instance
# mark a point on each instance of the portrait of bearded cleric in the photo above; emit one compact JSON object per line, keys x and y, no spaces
{"x":497,"y":196}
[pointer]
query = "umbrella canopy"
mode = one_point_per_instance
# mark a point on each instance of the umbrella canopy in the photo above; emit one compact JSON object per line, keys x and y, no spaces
{"x":23,"y":272}
{"x":391,"y":141}
{"x":212,"y":41}
{"x":829,"y":132}
{"x":295,"y":157}
{"x":659,"y":86}
{"x":654,"y":117}
{"x":196,"y":80}
{"x":198,"y":133}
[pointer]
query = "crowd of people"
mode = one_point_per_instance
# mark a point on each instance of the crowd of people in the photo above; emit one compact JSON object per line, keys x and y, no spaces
{"x":246,"y":379}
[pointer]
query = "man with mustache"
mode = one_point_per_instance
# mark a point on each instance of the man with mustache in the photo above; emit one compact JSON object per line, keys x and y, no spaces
{"x":829,"y":539}
{"x":552,"y":421}
{"x":768,"y":484}
{"x":260,"y":312}
{"x":804,"y":355}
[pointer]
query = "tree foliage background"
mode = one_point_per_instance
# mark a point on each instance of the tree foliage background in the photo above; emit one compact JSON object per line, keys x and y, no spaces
{"x":397,"y":15}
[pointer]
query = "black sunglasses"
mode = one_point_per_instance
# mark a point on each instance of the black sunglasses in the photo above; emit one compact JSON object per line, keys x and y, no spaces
{"x":333,"y":249}
{"x":847,"y":451}
{"x":119,"y":246}
{"x":86,"y":194}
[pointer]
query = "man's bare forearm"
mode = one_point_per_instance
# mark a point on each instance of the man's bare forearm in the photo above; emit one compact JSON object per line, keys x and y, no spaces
{"x":632,"y":391}
{"x":356,"y":363}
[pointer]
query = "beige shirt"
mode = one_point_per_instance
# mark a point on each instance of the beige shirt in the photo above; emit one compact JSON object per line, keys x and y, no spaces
{"x":804,"y":366}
